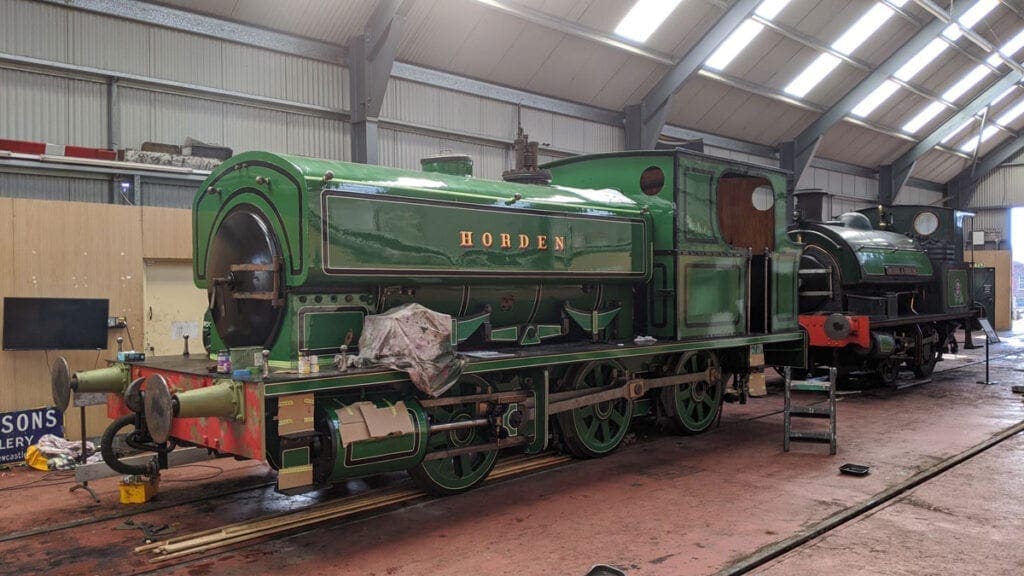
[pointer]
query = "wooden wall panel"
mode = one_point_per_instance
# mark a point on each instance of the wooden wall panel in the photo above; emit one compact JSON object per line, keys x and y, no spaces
{"x":75,"y":250}
{"x":166,"y":233}
{"x":8,"y":387}
{"x":80,"y":250}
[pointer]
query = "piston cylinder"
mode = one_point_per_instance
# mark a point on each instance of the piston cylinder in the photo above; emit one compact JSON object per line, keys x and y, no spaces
{"x":223,"y":400}
{"x":113,"y":379}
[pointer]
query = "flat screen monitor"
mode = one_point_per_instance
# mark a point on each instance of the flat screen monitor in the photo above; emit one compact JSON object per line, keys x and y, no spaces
{"x":55,"y":323}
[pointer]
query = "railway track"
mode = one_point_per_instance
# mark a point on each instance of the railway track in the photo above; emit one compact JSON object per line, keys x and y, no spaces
{"x":804,"y":537}
{"x":243,"y":532}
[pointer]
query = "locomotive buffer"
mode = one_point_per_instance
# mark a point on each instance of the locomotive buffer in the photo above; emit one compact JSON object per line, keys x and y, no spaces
{"x":811,"y":411}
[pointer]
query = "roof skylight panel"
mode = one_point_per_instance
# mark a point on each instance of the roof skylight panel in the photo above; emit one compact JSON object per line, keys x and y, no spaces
{"x":973,"y":143}
{"x":814,"y":73}
{"x":921,"y":59}
{"x":1007,"y":50}
{"x":1013,"y":45}
{"x":1007,"y":118}
{"x":1002,"y":96}
{"x":923,"y":117}
{"x":875,"y":99}
{"x":744,"y":35}
{"x":1004,"y":119}
{"x":966,"y":83}
{"x":974,"y":15}
{"x":644,"y":18}
{"x":925,"y":57}
{"x":958,"y":130}
{"x":850,"y":40}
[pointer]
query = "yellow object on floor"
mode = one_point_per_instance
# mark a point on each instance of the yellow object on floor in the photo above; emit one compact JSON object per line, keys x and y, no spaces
{"x":138,"y":489}
{"x":35,"y":459}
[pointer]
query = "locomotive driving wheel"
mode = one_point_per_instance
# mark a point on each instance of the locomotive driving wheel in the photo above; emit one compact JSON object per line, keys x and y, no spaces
{"x":459,"y":472}
{"x":693,"y":407}
{"x":595,"y":430}
{"x":930,"y":352}
{"x":889,"y":371}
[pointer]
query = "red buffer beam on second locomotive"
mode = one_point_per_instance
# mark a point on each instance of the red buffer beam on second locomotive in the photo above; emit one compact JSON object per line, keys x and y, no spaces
{"x":836,"y":330}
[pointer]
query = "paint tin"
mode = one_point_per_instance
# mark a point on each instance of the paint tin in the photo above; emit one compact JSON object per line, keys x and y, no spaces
{"x":224,"y":362}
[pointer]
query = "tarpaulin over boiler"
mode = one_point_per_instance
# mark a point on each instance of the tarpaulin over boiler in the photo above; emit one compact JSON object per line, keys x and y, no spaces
{"x":413,"y":339}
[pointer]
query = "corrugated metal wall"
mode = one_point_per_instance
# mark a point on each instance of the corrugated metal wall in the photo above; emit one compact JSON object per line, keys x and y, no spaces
{"x":998,"y":192}
{"x":1003,"y":187}
{"x":912,"y":195}
{"x":166,"y":195}
{"x":52,"y":109}
{"x":404,"y":150}
{"x":741,"y":156}
{"x":39,"y":187}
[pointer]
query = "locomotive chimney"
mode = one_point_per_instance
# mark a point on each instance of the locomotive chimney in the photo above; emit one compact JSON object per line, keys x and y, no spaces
{"x":526,"y":170}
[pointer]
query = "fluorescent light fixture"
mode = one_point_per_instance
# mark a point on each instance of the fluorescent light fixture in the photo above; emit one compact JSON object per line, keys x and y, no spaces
{"x":734,"y":44}
{"x":814,"y":73}
{"x":875,"y":99}
{"x":923,"y":117}
{"x":644,"y":18}
{"x":966,"y":83}
{"x":921,"y":59}
{"x":862,"y":29}
{"x":958,"y":130}
{"x":744,"y":35}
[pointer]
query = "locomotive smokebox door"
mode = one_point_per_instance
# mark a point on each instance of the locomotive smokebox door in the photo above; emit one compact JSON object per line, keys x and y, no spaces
{"x":243,"y":268}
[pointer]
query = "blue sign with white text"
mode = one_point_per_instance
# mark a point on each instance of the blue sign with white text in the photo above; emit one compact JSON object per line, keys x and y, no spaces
{"x":19,"y":430}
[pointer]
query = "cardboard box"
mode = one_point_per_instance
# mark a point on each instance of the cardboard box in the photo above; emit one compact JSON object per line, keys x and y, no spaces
{"x":295,"y":414}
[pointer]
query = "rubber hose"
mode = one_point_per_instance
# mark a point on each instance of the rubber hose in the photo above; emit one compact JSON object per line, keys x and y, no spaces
{"x":107,"y":448}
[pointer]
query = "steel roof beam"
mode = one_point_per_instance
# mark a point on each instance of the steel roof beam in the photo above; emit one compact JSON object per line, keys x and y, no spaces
{"x":904,"y":165}
{"x":965,"y":184}
{"x":645,"y":120}
{"x":969,"y":33}
{"x":805,"y":144}
{"x":371,"y":56}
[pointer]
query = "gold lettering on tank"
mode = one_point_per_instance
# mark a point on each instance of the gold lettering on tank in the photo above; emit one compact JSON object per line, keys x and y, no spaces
{"x":540,"y":242}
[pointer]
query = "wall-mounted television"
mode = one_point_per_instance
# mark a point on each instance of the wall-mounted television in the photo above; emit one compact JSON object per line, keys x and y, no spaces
{"x":55,"y":323}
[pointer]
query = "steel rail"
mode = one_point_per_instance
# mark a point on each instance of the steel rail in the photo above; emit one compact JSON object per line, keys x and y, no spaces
{"x":777,"y":549}
{"x":243,"y":532}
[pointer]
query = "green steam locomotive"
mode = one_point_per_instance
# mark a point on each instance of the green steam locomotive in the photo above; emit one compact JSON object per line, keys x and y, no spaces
{"x":884,"y":289}
{"x":598,"y":290}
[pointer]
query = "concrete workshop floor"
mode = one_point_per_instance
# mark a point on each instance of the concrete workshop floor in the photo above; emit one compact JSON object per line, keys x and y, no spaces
{"x":664,"y":505}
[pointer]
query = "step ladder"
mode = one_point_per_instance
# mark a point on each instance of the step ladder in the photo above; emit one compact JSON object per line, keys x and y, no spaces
{"x":827,"y":386}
